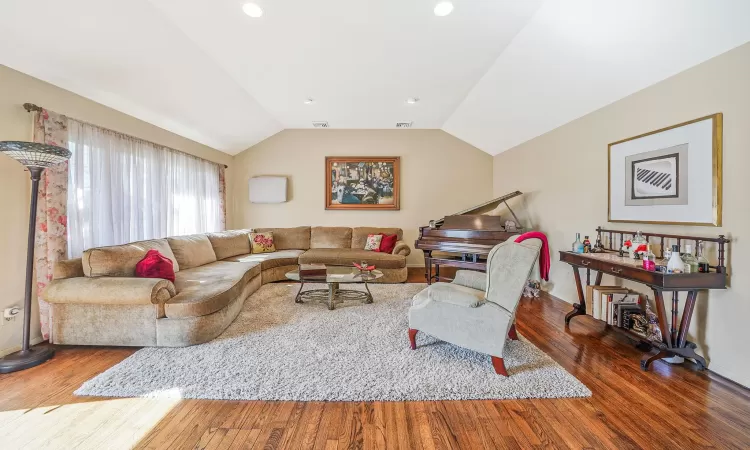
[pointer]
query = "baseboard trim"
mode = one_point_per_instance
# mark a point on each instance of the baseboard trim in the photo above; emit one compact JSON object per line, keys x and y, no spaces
{"x":8,"y":351}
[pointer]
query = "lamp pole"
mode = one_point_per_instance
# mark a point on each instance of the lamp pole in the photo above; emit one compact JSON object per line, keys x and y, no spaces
{"x":35,"y":157}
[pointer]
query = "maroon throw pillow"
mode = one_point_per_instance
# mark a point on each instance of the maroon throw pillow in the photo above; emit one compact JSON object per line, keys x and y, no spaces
{"x":155,"y":265}
{"x":388,"y":243}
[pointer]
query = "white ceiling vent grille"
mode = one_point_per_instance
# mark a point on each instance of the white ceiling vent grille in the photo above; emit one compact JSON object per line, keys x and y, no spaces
{"x":320,"y":124}
{"x":404,"y":124}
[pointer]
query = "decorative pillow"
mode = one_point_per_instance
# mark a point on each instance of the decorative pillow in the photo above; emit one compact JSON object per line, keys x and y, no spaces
{"x":262,"y":242}
{"x":155,"y":265}
{"x":388,"y":243}
{"x":373,"y":242}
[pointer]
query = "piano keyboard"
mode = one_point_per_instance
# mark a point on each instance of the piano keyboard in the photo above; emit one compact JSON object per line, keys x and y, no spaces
{"x":653,"y":183}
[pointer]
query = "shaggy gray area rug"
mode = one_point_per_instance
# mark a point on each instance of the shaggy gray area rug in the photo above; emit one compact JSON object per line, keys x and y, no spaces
{"x":279,"y":350}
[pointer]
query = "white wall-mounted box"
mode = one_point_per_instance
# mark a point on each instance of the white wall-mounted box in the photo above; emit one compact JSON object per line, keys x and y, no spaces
{"x":267,"y":189}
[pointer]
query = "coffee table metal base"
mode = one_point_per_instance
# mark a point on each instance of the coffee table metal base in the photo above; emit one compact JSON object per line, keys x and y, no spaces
{"x":333,"y":295}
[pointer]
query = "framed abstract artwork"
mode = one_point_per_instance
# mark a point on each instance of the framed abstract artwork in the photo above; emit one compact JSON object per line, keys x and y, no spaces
{"x":362,"y":182}
{"x":668,"y":176}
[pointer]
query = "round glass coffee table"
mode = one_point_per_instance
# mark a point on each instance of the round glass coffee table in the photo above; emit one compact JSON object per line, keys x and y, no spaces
{"x":336,"y":275}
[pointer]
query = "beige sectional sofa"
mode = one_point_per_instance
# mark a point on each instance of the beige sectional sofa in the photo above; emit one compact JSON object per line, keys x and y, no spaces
{"x":97,"y":300}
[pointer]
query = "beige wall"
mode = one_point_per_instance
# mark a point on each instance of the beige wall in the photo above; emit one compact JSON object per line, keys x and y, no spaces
{"x":439,"y":175}
{"x":15,"y":124}
{"x":564,"y":176}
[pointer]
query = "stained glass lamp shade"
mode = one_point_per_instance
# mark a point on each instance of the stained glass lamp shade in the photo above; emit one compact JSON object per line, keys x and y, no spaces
{"x":32,"y":154}
{"x":36,"y":157}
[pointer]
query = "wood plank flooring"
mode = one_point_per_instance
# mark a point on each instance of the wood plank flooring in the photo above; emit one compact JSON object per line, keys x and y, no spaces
{"x":668,"y":407}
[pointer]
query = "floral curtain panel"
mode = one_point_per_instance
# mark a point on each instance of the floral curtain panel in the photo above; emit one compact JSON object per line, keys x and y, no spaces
{"x":222,"y":198}
{"x":51,"y":241}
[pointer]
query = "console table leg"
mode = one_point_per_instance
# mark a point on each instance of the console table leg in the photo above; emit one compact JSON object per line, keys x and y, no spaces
{"x":687,"y":315}
{"x":598,"y":281}
{"x":661,"y":313}
{"x":580,"y":307}
{"x":649,"y":358}
{"x":675,"y":313}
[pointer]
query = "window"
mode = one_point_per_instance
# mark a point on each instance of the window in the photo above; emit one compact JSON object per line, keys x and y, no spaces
{"x":123,"y":189}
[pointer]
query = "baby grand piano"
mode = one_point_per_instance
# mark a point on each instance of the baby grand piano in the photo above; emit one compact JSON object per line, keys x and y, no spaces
{"x":465,"y":239}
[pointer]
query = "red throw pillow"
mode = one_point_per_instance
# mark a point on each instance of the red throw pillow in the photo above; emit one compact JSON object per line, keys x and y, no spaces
{"x":388,"y":243}
{"x":155,"y":265}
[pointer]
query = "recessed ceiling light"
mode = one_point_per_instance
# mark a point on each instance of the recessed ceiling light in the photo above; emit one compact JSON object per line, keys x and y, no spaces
{"x":443,"y":9}
{"x":412,"y":100}
{"x":309,"y":101}
{"x":253,"y":10}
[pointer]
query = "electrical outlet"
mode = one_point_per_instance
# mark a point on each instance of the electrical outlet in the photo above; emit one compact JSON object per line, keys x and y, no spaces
{"x":10,"y":314}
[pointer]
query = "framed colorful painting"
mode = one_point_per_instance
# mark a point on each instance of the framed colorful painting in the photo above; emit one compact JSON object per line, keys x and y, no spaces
{"x":362,"y":182}
{"x":668,"y":176}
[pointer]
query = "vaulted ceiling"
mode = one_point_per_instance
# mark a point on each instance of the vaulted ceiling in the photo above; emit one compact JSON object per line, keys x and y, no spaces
{"x":493,"y":73}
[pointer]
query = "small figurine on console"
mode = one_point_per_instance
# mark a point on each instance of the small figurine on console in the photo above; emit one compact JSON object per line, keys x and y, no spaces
{"x":598,"y":247}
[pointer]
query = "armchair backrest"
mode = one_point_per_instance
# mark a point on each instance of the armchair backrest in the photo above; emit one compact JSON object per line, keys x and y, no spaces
{"x":509,"y":265}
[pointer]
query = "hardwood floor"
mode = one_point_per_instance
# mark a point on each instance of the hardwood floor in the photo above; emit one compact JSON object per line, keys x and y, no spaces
{"x":668,"y":407}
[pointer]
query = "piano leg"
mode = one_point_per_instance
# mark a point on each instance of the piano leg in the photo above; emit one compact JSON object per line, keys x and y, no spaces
{"x":428,"y":267}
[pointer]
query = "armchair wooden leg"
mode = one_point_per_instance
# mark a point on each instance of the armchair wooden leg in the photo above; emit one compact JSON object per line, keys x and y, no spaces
{"x":512,"y":333}
{"x":413,"y":338}
{"x":499,"y":366}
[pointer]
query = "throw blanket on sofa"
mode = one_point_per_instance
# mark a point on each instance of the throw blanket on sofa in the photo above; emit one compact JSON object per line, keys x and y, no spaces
{"x":544,"y":260}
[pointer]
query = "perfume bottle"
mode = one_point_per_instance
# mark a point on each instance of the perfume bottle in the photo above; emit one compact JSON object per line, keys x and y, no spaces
{"x":578,"y":245}
{"x":649,"y":259}
{"x":586,"y":245}
{"x":675,"y":264}
{"x":703,"y":266}
{"x":690,"y":261}
{"x":637,"y":242}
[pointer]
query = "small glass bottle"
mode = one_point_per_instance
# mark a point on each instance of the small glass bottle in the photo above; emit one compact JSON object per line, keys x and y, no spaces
{"x":675,"y":264}
{"x":578,"y":245}
{"x":586,"y":245}
{"x":691,"y":263}
{"x":703,"y":266}
{"x":649,"y":259}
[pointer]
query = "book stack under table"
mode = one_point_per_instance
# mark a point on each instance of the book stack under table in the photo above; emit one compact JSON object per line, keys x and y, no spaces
{"x":614,"y":305}
{"x":673,"y":340}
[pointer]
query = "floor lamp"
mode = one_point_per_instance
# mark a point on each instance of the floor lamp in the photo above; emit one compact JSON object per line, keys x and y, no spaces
{"x":36,"y":157}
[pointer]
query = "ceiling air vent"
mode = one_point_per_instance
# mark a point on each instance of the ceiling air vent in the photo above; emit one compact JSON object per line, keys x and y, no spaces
{"x":403,"y":124}
{"x":320,"y":124}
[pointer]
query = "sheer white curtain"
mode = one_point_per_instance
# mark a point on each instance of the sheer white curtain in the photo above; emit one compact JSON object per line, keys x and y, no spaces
{"x":123,"y":189}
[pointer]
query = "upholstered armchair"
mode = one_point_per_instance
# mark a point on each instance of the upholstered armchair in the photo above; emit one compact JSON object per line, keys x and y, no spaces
{"x":477,"y":311}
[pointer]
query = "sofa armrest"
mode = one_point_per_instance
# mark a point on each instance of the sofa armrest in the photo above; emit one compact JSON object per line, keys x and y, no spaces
{"x":401,"y":249}
{"x":110,"y":291}
{"x":67,"y":268}
{"x":455,"y":294}
{"x":472,"y":279}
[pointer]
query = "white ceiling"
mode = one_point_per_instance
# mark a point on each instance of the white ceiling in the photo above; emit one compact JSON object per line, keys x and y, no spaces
{"x":576,"y":56}
{"x":493,"y":73}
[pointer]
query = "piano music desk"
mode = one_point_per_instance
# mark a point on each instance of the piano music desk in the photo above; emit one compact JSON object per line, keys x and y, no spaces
{"x":674,"y":340}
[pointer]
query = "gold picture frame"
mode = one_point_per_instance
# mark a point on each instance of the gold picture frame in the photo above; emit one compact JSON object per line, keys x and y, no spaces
{"x":363,"y":183}
{"x":716,"y":171}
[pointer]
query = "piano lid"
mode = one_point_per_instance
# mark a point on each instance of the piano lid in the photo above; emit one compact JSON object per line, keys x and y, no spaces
{"x":482,"y":209}
{"x":490,"y":205}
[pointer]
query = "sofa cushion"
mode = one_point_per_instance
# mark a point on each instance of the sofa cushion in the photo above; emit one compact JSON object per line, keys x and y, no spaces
{"x":270,"y":260}
{"x":206,"y":289}
{"x":120,"y":260}
{"x":262,"y":242}
{"x":359,"y":235}
{"x":345,"y":257}
{"x":192,"y":251}
{"x":230,"y":243}
{"x":289,"y":238}
{"x":332,"y":237}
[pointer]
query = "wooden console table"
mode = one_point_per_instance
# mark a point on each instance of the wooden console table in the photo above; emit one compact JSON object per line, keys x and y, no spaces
{"x":674,"y":340}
